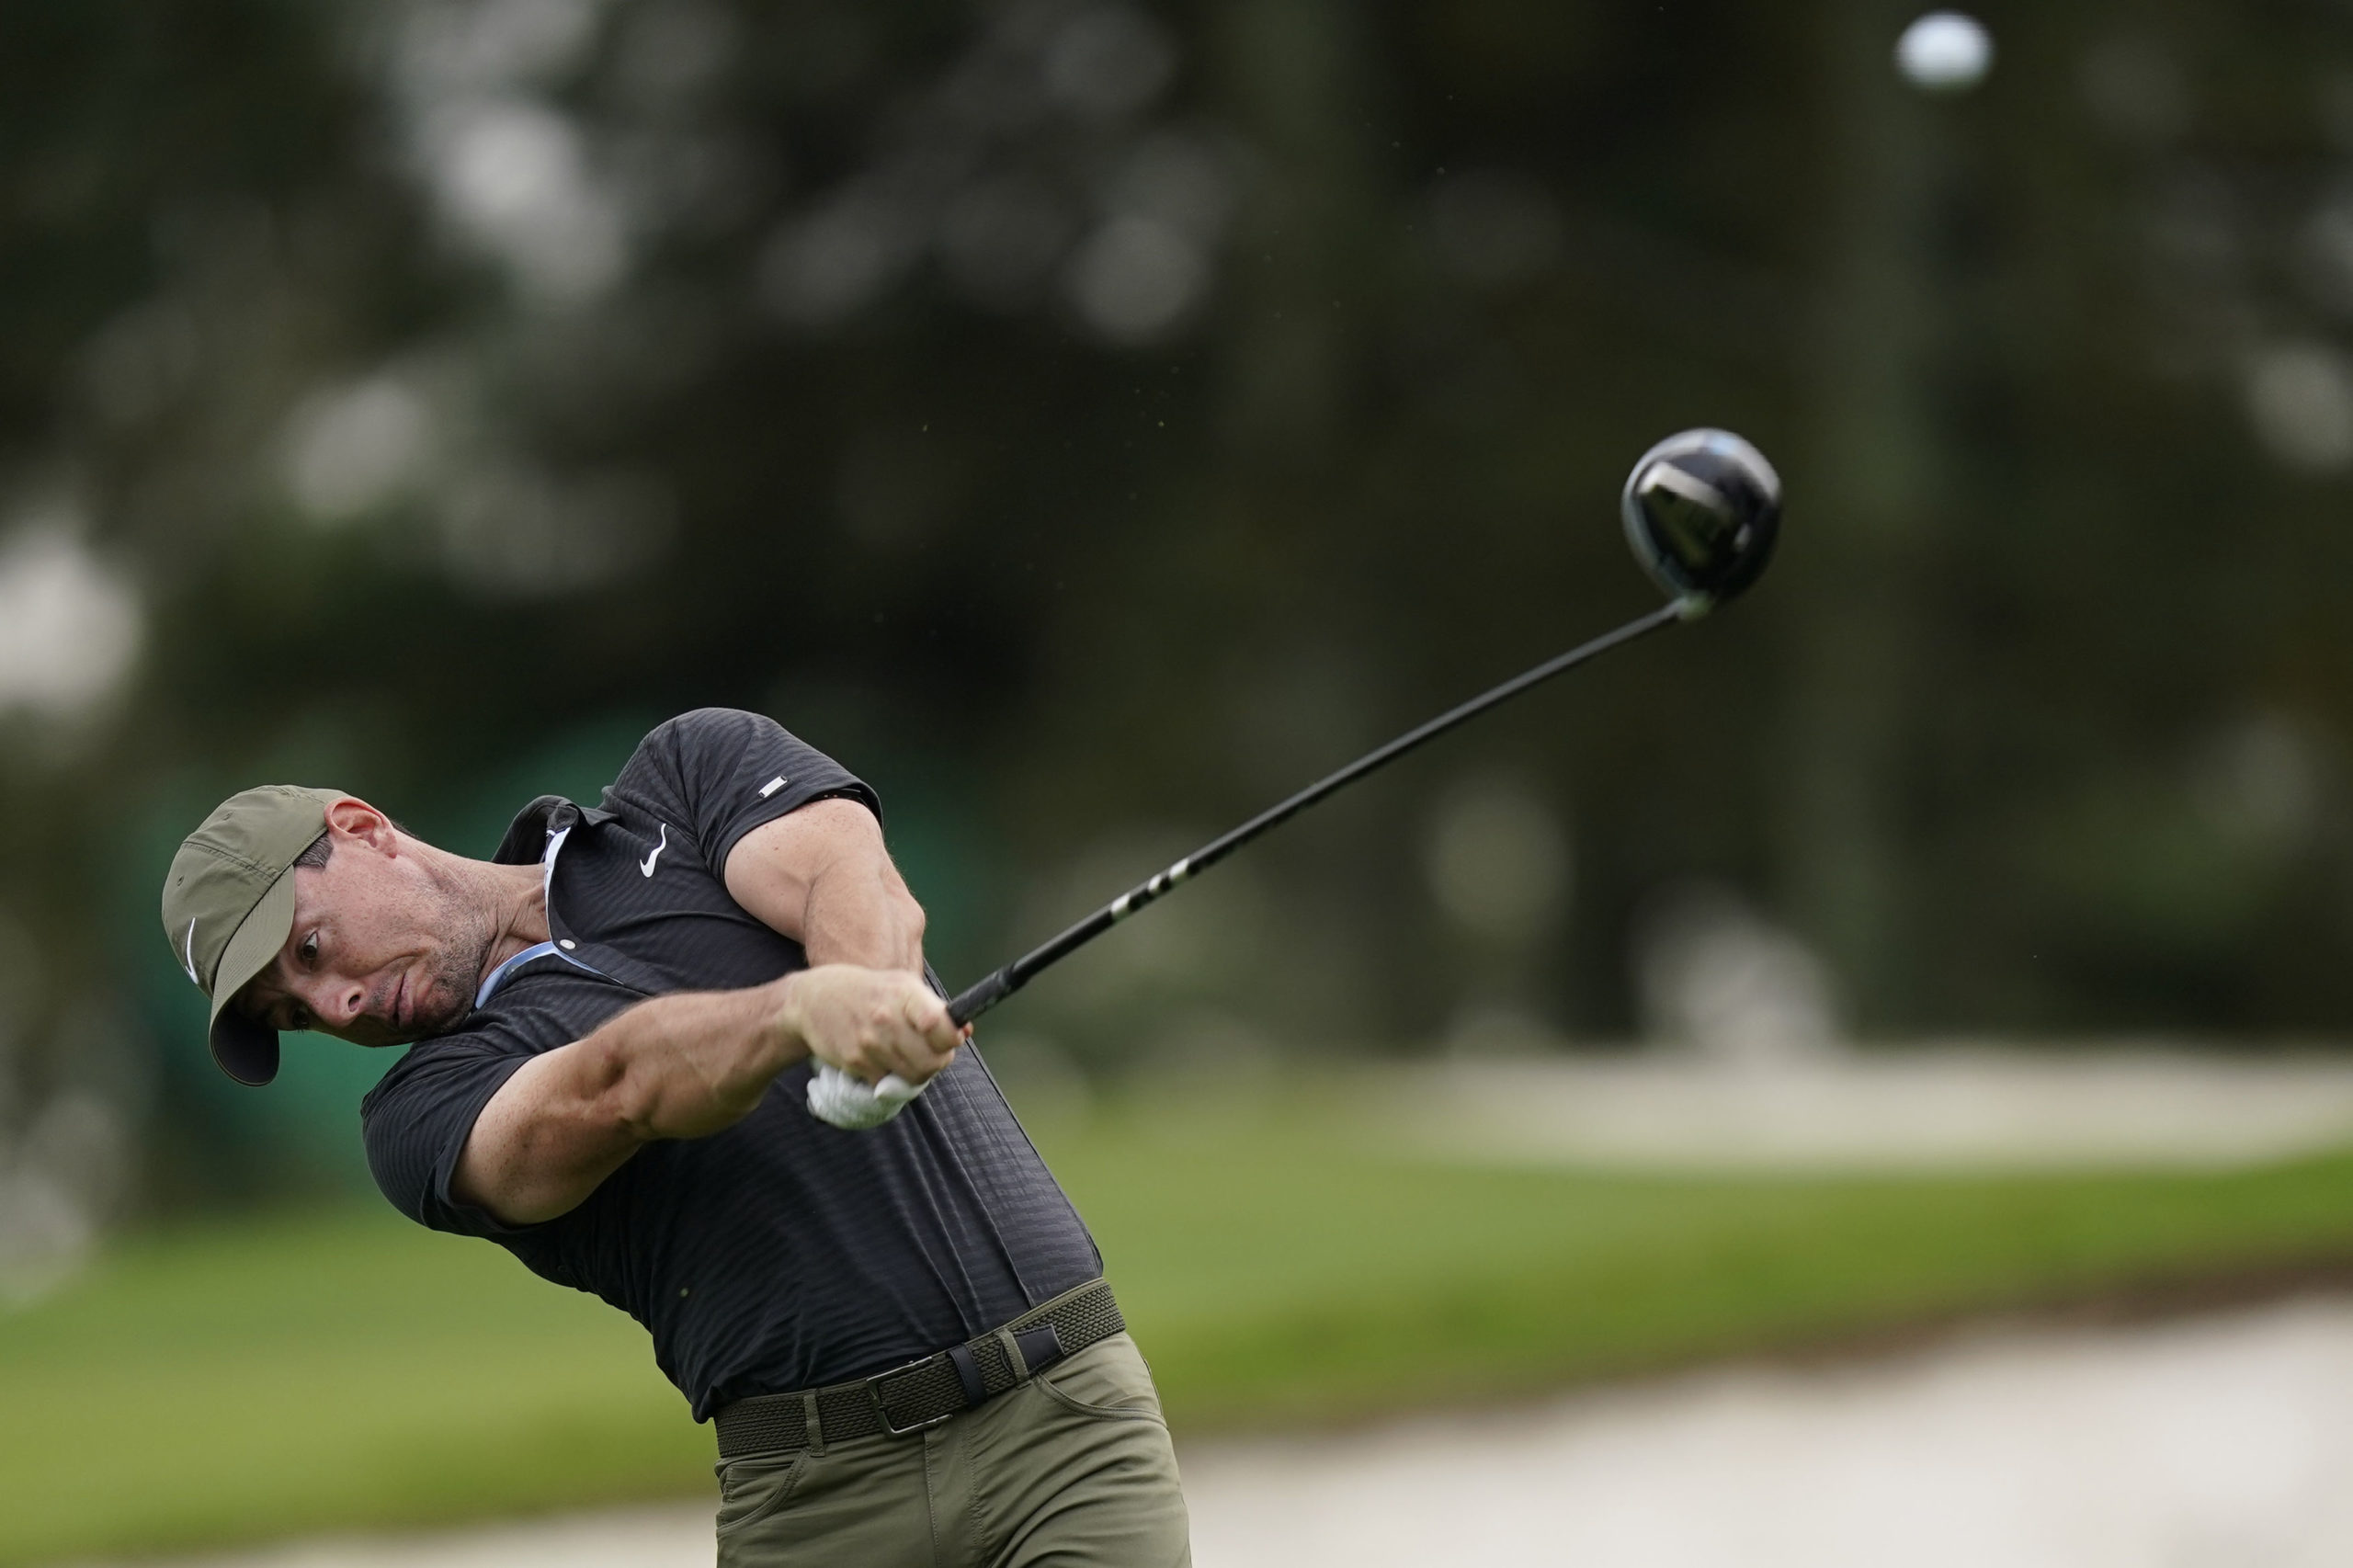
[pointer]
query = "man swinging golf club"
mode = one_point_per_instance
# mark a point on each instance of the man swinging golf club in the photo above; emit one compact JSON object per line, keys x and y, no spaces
{"x":902,"y":1333}
{"x":633,"y":1024}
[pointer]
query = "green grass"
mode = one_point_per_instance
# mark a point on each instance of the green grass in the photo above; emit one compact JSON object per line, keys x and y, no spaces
{"x":1274,"y":1282}
{"x":346,"y":1369}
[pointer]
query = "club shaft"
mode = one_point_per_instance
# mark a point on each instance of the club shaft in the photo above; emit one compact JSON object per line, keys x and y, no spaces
{"x":971,"y":1004}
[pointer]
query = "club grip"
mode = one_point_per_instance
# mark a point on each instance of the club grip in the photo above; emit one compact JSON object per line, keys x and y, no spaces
{"x":970,"y":1004}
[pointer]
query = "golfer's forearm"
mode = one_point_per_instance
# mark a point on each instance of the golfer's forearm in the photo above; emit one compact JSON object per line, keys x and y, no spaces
{"x":687,"y":1065}
{"x":678,"y":1067}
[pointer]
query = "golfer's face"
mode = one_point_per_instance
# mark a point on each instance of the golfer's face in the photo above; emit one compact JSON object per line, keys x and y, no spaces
{"x":367,"y":959}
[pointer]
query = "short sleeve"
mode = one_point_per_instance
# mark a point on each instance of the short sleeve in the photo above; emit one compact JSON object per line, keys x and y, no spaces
{"x":417,"y":1118}
{"x":726,"y":772}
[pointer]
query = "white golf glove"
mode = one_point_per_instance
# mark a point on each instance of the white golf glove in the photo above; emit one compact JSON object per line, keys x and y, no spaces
{"x":853,"y":1105}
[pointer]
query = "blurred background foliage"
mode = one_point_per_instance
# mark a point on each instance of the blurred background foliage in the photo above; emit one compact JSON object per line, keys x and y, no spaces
{"x":1089,"y":419}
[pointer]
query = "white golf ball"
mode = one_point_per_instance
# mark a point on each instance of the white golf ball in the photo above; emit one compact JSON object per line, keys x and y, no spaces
{"x":1945,"y":52}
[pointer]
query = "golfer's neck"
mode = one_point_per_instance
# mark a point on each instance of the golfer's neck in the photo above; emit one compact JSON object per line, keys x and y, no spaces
{"x":516,"y":897}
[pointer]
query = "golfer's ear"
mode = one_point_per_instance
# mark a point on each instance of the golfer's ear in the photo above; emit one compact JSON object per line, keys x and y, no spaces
{"x":362,"y":824}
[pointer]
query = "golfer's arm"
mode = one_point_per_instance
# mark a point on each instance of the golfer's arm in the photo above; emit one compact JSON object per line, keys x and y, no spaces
{"x":678,"y":1067}
{"x":821,"y":875}
{"x":691,"y":1064}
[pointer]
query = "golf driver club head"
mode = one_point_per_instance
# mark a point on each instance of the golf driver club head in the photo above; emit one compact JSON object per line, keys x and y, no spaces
{"x":1702,"y":510}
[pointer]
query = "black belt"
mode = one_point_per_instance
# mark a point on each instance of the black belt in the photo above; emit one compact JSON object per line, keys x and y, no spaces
{"x":923,"y":1393}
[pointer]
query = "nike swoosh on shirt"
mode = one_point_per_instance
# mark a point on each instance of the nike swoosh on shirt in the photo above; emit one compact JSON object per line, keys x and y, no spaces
{"x":646,"y":865}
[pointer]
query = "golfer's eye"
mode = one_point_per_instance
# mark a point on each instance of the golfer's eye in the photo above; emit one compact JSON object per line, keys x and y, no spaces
{"x":309,"y":951}
{"x":298,"y":1018}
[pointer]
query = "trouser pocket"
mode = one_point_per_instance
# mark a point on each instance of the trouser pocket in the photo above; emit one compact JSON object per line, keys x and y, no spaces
{"x":755,"y":1486}
{"x":862,"y":1503}
{"x":1107,"y":1378}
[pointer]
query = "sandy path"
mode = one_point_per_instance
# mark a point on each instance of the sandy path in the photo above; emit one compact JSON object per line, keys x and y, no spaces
{"x":2226,"y":1442}
{"x":2223,"y":1443}
{"x":1948,"y":1108}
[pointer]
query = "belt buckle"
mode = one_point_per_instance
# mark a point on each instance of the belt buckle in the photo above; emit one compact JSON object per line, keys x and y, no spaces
{"x":874,"y":1392}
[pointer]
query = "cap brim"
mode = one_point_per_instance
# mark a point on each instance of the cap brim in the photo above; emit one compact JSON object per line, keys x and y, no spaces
{"x":245,"y":1049}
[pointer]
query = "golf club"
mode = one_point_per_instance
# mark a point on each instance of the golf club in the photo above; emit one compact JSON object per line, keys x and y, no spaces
{"x":1702,"y":510}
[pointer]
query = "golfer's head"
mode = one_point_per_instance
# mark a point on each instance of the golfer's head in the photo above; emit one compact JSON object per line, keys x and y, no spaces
{"x":309,"y":909}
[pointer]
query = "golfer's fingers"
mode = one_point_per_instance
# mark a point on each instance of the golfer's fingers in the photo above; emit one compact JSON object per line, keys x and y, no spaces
{"x":938,"y":1066}
{"x":929,"y":1017}
{"x":905,"y":1032}
{"x":926,"y":1040}
{"x":914,"y":1063}
{"x":880,"y":1054}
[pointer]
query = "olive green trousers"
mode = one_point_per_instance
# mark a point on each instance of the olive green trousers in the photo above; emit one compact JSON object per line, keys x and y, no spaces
{"x":1070,"y":1470}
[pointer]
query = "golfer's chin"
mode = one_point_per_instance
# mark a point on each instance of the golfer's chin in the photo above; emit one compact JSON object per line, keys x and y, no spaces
{"x":443,"y":1009}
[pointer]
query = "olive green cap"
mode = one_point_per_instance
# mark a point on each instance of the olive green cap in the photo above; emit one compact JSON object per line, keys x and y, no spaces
{"x":228,"y":904}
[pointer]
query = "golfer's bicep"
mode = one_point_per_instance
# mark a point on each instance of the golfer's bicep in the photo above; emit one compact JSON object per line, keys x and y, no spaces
{"x":544,"y":1144}
{"x":772,"y":868}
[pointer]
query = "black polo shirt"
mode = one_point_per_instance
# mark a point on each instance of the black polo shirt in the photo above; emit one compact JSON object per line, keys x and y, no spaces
{"x":780,"y":1254}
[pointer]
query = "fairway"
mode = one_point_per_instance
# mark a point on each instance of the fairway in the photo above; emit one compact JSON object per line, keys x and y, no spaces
{"x":321,"y":1372}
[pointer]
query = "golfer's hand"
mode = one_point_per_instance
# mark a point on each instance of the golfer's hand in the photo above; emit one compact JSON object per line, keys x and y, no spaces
{"x":871,"y":1023}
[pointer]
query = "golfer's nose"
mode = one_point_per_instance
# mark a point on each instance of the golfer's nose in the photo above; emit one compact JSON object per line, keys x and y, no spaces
{"x":335,"y":1003}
